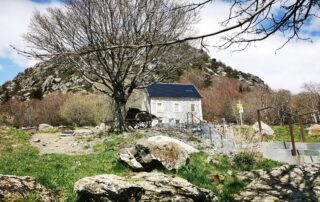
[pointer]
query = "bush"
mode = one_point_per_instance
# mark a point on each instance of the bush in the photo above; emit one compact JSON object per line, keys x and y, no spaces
{"x":244,"y":160}
{"x":83,"y":110}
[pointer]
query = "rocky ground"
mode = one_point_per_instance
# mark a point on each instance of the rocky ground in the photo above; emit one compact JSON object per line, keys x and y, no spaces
{"x":298,"y":183}
{"x":58,"y":143}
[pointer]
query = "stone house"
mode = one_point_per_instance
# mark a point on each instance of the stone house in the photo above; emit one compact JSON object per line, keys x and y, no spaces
{"x":173,"y":103}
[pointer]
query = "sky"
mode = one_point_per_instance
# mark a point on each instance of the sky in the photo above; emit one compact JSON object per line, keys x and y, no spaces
{"x":288,"y":68}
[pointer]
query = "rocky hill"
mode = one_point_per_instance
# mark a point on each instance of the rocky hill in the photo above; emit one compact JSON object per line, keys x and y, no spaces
{"x":42,"y":79}
{"x":45,"y":78}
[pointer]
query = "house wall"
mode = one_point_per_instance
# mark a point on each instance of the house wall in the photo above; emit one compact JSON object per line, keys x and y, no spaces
{"x":169,"y":113}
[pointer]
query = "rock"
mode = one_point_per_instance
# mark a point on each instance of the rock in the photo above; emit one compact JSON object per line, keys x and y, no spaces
{"x":83,"y":131}
{"x":128,"y":157}
{"x":286,"y":183}
{"x":36,"y":140}
{"x":57,"y":80}
{"x":157,"y":152}
{"x":47,"y":83}
{"x":44,"y":126}
{"x":266,"y":129}
{"x":67,"y":133}
{"x":15,"y":188}
{"x":140,"y":187}
{"x":102,"y":127}
{"x":314,"y":130}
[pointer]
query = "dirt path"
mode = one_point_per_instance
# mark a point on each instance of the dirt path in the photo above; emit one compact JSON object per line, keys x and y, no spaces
{"x":54,"y":143}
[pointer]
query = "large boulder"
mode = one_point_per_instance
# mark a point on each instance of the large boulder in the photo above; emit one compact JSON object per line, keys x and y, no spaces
{"x":140,"y":187}
{"x":44,"y":127}
{"x":14,"y":188}
{"x":297,"y":183}
{"x":266,"y":129}
{"x":156,"y":152}
{"x":314,"y":130}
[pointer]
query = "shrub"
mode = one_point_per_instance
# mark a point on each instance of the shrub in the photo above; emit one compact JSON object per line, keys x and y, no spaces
{"x":244,"y":160}
{"x":83,"y":110}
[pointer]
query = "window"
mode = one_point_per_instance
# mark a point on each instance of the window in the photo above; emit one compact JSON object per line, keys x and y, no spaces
{"x":177,"y":121}
{"x":176,"y":107}
{"x":193,"y":107}
{"x":159,"y":107}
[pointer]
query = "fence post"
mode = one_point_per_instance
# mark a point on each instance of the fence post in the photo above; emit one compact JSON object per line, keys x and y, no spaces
{"x":293,"y":151}
{"x":301,"y":128}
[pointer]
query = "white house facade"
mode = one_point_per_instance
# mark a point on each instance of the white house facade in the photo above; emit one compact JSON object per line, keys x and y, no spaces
{"x":173,"y":103}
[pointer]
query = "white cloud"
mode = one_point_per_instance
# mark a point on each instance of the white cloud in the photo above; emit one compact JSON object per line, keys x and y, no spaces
{"x":287,"y":68}
{"x":14,"y":20}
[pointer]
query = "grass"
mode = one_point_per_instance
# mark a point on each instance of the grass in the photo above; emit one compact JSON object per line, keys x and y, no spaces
{"x":282,"y":134}
{"x":199,"y":170}
{"x":59,"y":172}
{"x":56,"y":171}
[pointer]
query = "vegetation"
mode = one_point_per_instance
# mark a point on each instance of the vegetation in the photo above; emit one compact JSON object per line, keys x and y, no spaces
{"x":199,"y":170}
{"x":57,"y":109}
{"x":81,"y":110}
{"x":56,"y":171}
{"x":59,"y":172}
{"x":282,"y":133}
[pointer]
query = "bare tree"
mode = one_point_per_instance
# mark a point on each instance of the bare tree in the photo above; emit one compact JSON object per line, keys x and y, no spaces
{"x":82,"y":33}
{"x":255,"y":20}
{"x":313,"y":89}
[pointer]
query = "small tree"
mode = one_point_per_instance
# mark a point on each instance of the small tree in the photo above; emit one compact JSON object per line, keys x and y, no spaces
{"x":94,"y":37}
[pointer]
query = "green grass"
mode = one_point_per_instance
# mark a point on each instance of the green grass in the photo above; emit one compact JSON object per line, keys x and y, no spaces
{"x":55,"y":171}
{"x":282,"y":134}
{"x":199,"y":170}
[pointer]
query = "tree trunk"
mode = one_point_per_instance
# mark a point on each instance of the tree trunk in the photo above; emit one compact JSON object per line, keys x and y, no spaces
{"x":120,"y":115}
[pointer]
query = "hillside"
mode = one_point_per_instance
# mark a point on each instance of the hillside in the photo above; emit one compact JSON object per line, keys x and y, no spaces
{"x":46,"y":77}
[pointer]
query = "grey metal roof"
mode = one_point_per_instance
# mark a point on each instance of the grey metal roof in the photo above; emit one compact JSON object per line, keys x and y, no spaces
{"x":173,"y":90}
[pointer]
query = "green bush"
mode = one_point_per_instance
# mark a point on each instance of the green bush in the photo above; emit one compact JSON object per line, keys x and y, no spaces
{"x":81,"y":110}
{"x":244,"y":161}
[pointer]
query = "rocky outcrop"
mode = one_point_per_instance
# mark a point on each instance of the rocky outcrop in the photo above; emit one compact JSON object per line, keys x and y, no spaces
{"x":140,"y":187}
{"x":14,"y":188}
{"x":44,"y":78}
{"x":47,"y":77}
{"x":155,"y":152}
{"x":286,"y":183}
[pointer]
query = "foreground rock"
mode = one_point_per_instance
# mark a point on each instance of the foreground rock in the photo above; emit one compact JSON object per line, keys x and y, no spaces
{"x":14,"y":188}
{"x":314,"y":130}
{"x":286,"y":183}
{"x":155,"y":152}
{"x":266,"y":129}
{"x":140,"y":187}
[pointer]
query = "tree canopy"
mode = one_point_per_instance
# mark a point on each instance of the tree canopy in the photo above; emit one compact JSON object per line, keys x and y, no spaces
{"x":93,"y":37}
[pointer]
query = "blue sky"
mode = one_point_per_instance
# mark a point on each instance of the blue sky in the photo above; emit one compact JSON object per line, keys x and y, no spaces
{"x":15,"y":16}
{"x":289,"y":68}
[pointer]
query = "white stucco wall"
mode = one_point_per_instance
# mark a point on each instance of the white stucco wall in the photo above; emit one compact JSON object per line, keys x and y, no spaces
{"x":169,"y":111}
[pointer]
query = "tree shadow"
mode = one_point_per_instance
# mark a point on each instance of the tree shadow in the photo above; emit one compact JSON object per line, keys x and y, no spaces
{"x":286,"y":183}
